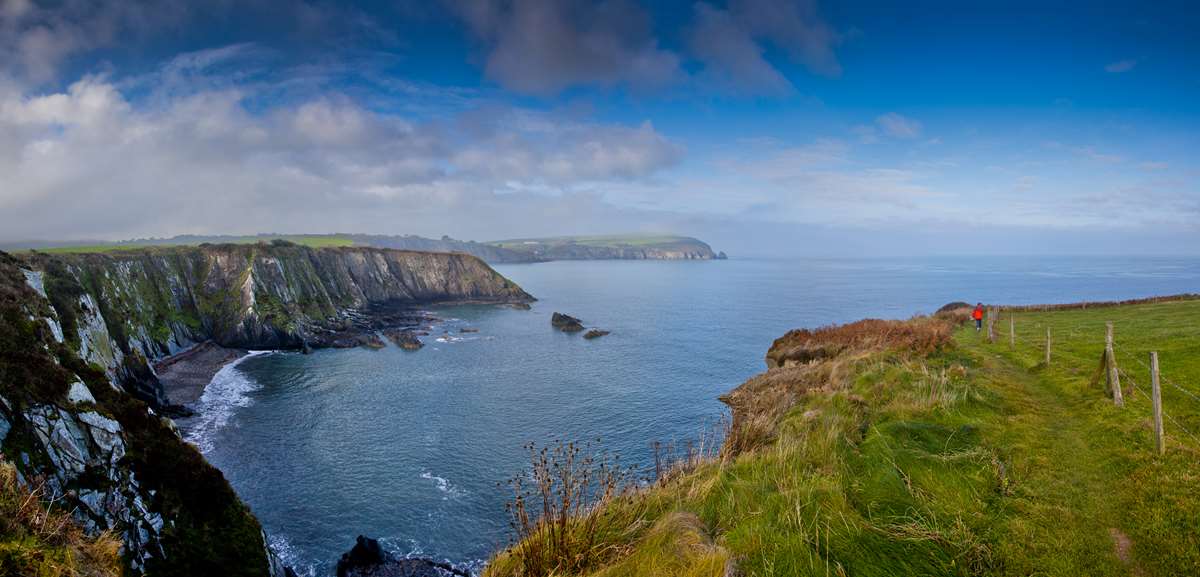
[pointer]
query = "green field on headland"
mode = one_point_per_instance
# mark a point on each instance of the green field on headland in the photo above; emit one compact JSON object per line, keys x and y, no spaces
{"x":313,"y":241}
{"x":603,"y":247}
{"x":597,"y":241}
{"x":919,"y":448}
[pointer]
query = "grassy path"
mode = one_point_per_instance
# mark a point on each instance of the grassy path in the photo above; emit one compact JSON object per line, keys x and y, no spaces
{"x":1088,"y":494}
{"x":1060,"y":475}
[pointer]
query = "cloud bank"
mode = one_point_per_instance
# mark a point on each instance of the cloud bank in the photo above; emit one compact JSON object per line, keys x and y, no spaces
{"x":195,"y":155}
{"x":542,"y":48}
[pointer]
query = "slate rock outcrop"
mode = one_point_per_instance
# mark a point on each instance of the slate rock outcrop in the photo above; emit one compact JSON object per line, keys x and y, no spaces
{"x":566,"y":323}
{"x":368,"y":559}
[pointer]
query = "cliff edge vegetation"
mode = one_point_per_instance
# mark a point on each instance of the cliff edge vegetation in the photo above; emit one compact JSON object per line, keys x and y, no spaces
{"x":918,"y":447}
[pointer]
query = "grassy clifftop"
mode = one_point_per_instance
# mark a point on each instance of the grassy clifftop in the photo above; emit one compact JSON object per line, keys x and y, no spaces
{"x":634,"y":247}
{"x":504,"y":251}
{"x":919,"y":448}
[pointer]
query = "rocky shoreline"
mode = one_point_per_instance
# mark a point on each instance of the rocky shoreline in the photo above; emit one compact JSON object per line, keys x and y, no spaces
{"x":185,"y":375}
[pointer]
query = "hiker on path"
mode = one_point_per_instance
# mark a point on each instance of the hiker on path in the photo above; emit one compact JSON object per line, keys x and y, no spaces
{"x":977,"y":314}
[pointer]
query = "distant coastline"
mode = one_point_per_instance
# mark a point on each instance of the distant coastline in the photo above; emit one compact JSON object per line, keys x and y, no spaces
{"x":522,"y":250}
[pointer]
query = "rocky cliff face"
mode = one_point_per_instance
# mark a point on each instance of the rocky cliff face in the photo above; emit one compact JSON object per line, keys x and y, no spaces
{"x":78,"y":394}
{"x":123,"y":308}
{"x":104,"y":455}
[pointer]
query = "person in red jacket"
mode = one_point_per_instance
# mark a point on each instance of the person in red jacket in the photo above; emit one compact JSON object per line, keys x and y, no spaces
{"x":977,"y":314}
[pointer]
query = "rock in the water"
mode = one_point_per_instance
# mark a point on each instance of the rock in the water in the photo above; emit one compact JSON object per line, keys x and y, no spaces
{"x":406,"y":340}
{"x":566,"y":323}
{"x":520,"y":306}
{"x":468,"y":330}
{"x":368,"y":559}
{"x":595,"y":334}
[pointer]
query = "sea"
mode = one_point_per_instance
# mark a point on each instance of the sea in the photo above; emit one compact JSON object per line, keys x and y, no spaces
{"x":415,"y":448}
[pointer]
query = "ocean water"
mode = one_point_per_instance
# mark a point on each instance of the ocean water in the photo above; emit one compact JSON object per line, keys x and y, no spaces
{"x":410,"y":447}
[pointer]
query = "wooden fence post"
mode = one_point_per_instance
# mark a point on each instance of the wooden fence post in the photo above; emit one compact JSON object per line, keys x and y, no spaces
{"x":1012,"y":332}
{"x":1156,"y":398}
{"x":1047,"y":346}
{"x":1110,"y":361}
{"x":991,"y":324}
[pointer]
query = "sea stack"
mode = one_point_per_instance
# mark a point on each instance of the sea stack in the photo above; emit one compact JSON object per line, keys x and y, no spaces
{"x":368,"y":559}
{"x":566,"y":323}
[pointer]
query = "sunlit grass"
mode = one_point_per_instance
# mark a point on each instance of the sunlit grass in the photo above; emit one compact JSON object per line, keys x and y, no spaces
{"x":968,"y":459}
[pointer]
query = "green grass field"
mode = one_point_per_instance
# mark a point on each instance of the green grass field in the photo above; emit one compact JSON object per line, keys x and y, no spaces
{"x":600,"y":241}
{"x":976,"y":459}
{"x":314,"y":241}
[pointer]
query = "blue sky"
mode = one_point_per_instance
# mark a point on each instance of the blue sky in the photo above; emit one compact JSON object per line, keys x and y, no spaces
{"x":766,"y":127}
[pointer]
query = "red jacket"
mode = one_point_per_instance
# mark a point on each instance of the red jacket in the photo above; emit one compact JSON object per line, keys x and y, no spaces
{"x":977,"y":314}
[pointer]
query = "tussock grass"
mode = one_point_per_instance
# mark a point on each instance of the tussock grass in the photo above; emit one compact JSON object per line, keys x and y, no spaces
{"x":38,"y":539}
{"x":918,"y":448}
{"x":571,"y":511}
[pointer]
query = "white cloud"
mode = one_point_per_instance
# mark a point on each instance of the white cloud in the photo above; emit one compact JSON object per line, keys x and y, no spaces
{"x":89,"y":162}
{"x":898,"y":126}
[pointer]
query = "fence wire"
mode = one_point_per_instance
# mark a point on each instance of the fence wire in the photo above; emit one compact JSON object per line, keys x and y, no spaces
{"x":1164,"y":411}
{"x":1014,"y":337}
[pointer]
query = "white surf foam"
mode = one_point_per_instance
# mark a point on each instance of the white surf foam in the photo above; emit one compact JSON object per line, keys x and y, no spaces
{"x":444,"y":485}
{"x":289,"y":556}
{"x":229,"y":389}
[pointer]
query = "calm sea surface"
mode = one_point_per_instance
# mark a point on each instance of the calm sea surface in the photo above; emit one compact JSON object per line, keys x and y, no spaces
{"x":409,"y":447}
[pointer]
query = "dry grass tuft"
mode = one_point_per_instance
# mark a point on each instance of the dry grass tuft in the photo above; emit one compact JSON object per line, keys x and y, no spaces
{"x":38,"y":539}
{"x":920,"y":335}
{"x":567,"y":512}
{"x":825,"y":360}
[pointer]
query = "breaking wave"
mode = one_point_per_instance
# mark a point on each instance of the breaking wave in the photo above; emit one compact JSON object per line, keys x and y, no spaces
{"x":229,"y":389}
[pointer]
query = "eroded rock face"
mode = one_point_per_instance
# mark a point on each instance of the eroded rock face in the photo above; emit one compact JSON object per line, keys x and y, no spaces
{"x":126,"y":309}
{"x":90,"y":443}
{"x":368,"y":559}
{"x":94,"y":450}
{"x":566,"y":323}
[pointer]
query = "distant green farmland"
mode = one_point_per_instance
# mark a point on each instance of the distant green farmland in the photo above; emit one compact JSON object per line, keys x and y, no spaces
{"x":604,"y":240}
{"x":310,"y":240}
